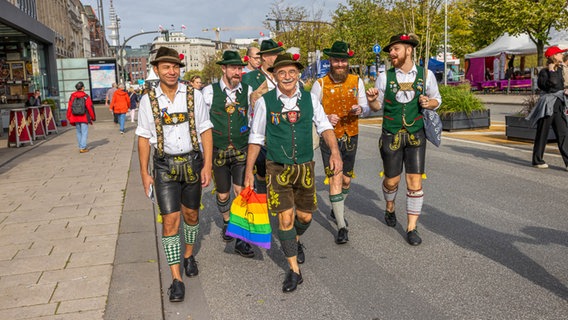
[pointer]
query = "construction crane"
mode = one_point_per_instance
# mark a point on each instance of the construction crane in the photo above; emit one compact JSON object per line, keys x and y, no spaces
{"x":219,"y":29}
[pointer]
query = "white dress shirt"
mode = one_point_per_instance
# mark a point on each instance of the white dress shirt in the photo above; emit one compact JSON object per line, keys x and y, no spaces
{"x":361,"y":96}
{"x":406,"y":96}
{"x":177,"y":139}
{"x":258,"y":128}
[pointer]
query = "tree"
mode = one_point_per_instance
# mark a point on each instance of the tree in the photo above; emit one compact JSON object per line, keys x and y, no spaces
{"x":461,"y":33}
{"x":533,"y":17}
{"x":212,"y":71}
{"x":294,"y":27}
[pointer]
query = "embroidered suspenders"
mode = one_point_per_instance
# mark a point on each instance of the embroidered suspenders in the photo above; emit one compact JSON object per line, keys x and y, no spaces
{"x":158,"y":119}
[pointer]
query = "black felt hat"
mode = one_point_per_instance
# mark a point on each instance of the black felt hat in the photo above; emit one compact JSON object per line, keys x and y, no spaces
{"x":410,"y":39}
{"x":339,"y":49}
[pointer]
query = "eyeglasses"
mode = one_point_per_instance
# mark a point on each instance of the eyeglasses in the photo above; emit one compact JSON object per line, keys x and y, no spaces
{"x":291,"y":73}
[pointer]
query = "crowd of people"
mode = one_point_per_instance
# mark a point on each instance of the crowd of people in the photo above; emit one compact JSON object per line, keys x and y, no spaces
{"x":257,"y":127}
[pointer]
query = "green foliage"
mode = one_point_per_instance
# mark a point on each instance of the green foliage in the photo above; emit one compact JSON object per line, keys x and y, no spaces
{"x":459,"y":98}
{"x":534,"y":17}
{"x":212,"y":71}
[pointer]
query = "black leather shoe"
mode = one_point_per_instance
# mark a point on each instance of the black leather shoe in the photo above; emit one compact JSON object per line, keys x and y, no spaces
{"x":390,"y":219}
{"x":190,"y":266}
{"x":292,"y":281}
{"x":413,"y":238}
{"x":301,"y":257}
{"x":342,"y":236}
{"x":244,"y":249}
{"x":225,"y":237}
{"x":332,"y":216}
{"x":176,"y":291}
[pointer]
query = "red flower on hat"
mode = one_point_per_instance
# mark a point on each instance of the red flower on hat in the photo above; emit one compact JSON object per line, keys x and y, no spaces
{"x":246,"y":58}
{"x":295,"y":56}
{"x":405,"y":37}
{"x":181,"y":56}
{"x":350,"y":53}
{"x":280,"y":43}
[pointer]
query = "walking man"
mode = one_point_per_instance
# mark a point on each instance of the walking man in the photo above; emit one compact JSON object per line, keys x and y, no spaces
{"x":170,"y":119}
{"x":261,"y":80}
{"x":343,"y":98}
{"x":228,"y":105}
{"x":283,"y":122}
{"x":403,"y":91}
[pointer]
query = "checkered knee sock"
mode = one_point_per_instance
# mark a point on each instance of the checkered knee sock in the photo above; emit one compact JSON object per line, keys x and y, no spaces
{"x":288,"y":242}
{"x":171,"y":249}
{"x":190,"y":233}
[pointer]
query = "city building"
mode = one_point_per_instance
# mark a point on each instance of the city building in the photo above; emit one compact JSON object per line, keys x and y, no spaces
{"x":196,"y":51}
{"x":97,"y":39}
{"x":137,"y":64}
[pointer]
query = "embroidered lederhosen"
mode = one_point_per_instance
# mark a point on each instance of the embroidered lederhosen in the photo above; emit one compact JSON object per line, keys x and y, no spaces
{"x":180,"y":167}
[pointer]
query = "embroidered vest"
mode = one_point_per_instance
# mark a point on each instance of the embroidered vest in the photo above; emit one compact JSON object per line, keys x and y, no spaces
{"x":289,"y":134}
{"x":161,"y":118}
{"x":337,"y":98}
{"x":398,"y":115}
{"x":229,"y":118}
{"x":254,"y":79}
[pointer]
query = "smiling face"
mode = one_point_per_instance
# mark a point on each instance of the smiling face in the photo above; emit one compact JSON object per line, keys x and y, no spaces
{"x":399,"y":54}
{"x":168,"y":73}
{"x":339,"y":68}
{"x":287,"y":78}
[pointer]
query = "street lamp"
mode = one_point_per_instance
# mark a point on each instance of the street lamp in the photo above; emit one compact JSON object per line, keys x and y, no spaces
{"x":445,"y":42}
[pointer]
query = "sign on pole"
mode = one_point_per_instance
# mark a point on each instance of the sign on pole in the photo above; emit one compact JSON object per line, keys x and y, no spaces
{"x":377,"y":49}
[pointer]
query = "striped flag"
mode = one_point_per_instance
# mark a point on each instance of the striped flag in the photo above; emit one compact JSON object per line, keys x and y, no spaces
{"x":249,"y":219}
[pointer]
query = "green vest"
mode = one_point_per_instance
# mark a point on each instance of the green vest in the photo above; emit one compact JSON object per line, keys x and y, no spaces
{"x":254,"y":79}
{"x":230,"y":123}
{"x":289,"y":142}
{"x":393,"y":119}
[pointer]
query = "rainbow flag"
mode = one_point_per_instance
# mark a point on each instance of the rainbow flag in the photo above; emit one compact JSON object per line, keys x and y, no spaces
{"x":249,"y":219}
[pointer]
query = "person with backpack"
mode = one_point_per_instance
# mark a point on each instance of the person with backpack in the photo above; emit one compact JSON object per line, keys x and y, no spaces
{"x":80,"y":114}
{"x":119,"y":105}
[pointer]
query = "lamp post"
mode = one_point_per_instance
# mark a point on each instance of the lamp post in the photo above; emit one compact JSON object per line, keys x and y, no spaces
{"x":445,"y":42}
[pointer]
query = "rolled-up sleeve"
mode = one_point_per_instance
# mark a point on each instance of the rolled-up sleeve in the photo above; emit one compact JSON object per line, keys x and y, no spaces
{"x":202,"y":121}
{"x":320,"y":118}
{"x":258,"y":127}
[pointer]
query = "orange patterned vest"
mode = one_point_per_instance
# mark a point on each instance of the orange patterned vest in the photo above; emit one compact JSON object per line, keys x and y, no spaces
{"x":337,"y":98}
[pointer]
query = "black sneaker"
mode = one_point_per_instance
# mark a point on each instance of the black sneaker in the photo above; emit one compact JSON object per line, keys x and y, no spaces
{"x":332,"y":216}
{"x":413,"y":238}
{"x":301,"y":257}
{"x":390,"y":219}
{"x":190,"y":266}
{"x":176,"y":291}
{"x":244,"y":249}
{"x":225,"y":237}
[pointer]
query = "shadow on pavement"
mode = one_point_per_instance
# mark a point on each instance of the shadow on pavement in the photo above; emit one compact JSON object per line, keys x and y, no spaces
{"x":498,"y":246}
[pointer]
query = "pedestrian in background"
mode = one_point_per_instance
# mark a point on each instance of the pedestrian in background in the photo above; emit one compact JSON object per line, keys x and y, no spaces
{"x":551,"y":109}
{"x":81,"y":122}
{"x":108,"y":100}
{"x":34,"y":100}
{"x":119,"y":105}
{"x":253,"y":59}
{"x":134,"y":99}
{"x":196,"y":82}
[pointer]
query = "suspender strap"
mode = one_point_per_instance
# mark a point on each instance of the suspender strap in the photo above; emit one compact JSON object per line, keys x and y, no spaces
{"x":158,"y":121}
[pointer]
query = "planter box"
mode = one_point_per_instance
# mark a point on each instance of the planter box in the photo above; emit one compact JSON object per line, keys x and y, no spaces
{"x":462,"y":120}
{"x":519,"y":128}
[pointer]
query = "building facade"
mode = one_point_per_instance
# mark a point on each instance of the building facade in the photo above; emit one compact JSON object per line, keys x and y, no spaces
{"x":195,"y":50}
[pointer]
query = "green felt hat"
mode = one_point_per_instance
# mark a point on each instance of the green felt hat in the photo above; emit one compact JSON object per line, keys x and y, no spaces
{"x":270,"y":46}
{"x":233,"y":58}
{"x":339,"y":49}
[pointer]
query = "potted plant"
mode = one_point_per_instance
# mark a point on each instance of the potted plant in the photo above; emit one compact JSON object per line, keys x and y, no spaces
{"x":518,"y":128}
{"x":461,"y":109}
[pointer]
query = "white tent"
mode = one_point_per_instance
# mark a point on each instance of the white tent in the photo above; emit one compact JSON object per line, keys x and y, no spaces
{"x":152,"y":75}
{"x":519,"y":45}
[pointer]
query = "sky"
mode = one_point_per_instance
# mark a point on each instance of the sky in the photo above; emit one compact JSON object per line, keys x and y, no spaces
{"x":147,"y":15}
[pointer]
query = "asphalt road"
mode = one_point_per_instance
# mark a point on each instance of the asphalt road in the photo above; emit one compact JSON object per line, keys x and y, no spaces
{"x":495,"y":247}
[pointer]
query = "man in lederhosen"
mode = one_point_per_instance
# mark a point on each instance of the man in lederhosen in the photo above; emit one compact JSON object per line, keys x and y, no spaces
{"x":228,"y":105}
{"x":343,"y":98}
{"x":283,"y":122}
{"x":404,"y":91}
{"x":171,"y":118}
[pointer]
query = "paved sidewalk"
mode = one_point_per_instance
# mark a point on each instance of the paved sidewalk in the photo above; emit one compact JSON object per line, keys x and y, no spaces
{"x":59,"y":222}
